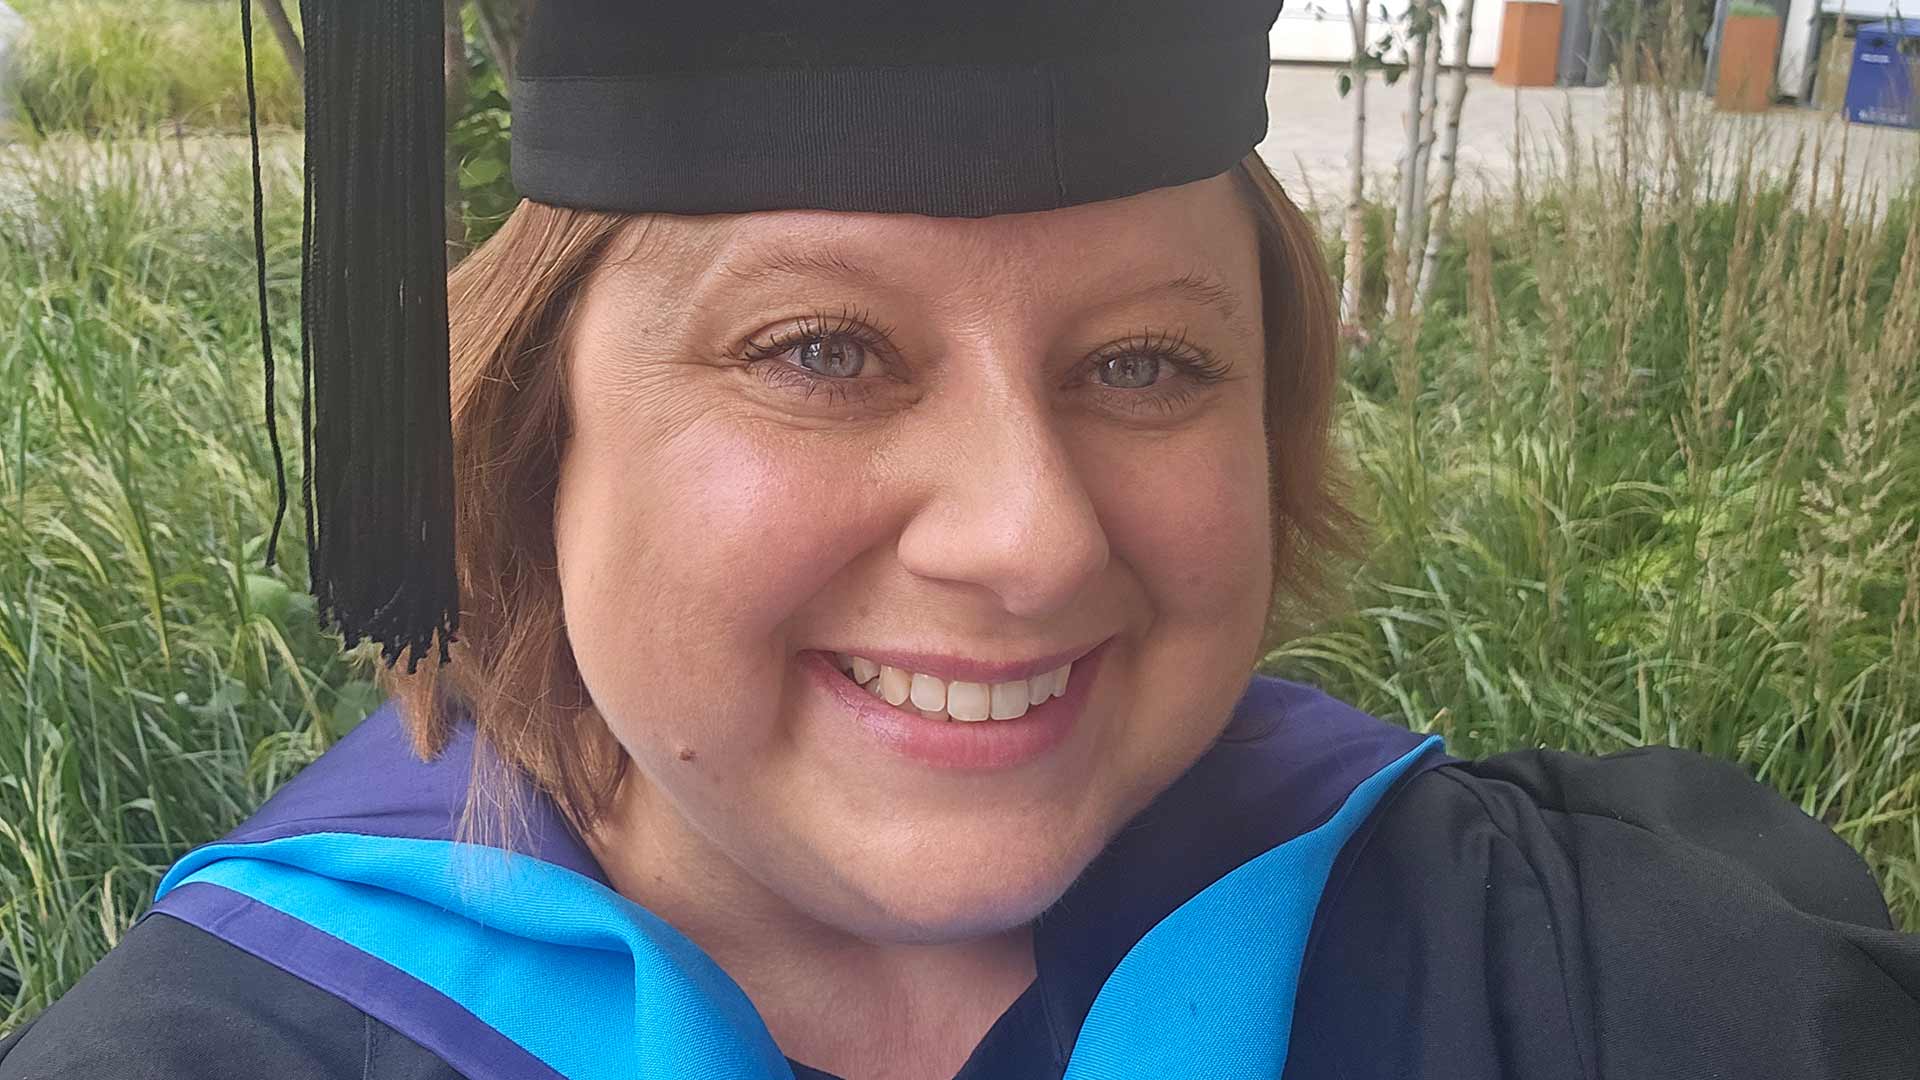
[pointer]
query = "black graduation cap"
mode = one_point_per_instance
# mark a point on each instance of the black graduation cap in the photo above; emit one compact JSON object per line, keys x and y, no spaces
{"x":691,"y":107}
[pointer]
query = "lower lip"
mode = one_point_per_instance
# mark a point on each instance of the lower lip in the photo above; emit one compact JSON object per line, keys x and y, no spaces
{"x":957,"y":744}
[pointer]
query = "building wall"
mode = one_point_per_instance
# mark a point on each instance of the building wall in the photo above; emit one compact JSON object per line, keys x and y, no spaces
{"x":1317,"y":30}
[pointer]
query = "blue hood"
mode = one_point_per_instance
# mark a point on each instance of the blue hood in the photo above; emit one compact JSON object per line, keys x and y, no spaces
{"x":1176,"y":953}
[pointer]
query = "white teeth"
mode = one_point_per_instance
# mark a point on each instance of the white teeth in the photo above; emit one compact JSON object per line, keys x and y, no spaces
{"x":966,"y":700}
{"x":1010,"y":699}
{"x":895,"y":685}
{"x":1039,"y":689}
{"x":928,"y":693}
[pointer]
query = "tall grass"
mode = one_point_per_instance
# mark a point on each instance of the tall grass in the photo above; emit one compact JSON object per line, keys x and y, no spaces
{"x":1649,"y":472}
{"x":127,"y":65}
{"x":155,"y":680}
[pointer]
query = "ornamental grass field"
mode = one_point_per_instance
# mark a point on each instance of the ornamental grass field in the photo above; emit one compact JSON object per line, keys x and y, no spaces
{"x":131,"y":65}
{"x":1647,"y":472}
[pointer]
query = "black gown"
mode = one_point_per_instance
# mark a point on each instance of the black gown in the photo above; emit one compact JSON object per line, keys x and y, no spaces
{"x":1534,"y":915}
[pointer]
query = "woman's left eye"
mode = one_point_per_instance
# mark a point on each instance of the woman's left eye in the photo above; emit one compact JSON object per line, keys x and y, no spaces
{"x":1153,"y":369}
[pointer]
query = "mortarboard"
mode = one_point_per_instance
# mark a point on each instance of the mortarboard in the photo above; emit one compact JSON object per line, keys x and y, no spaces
{"x":667,"y":106}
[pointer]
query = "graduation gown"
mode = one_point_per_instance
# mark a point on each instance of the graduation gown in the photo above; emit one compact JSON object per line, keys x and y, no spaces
{"x":1322,"y":895}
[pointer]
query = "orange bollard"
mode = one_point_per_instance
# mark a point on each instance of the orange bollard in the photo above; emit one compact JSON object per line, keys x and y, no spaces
{"x":1749,"y":50}
{"x":1529,"y":44}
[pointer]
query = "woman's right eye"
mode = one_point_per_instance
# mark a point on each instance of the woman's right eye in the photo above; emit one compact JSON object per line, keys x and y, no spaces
{"x":832,"y":356}
{"x":831,"y":349}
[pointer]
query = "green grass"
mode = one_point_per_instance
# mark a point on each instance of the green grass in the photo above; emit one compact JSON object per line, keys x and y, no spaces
{"x":1647,"y":473}
{"x":155,"y":681}
{"x":129,"y":65}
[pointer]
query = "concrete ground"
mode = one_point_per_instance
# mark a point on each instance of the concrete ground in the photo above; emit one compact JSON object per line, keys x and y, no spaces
{"x":1310,"y":127}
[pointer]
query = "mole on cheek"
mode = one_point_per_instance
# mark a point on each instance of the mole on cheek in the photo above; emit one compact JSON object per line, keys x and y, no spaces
{"x":687,"y":753}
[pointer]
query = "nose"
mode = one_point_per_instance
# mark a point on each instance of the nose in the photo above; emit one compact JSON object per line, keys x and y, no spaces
{"x":1006,"y":511}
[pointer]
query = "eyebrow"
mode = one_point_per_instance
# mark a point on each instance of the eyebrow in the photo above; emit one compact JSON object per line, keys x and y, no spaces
{"x":1203,"y":289}
{"x":1196,"y":286}
{"x":810,"y":262}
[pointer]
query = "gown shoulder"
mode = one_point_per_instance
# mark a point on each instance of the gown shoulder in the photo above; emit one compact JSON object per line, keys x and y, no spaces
{"x":1650,"y":913}
{"x":173,"y":1002}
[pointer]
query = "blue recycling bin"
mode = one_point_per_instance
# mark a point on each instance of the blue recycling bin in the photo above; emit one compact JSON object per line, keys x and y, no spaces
{"x":1882,"y":87}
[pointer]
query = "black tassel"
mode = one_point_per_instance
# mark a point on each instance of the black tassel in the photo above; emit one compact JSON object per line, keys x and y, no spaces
{"x":260,"y":273}
{"x":377,"y":431}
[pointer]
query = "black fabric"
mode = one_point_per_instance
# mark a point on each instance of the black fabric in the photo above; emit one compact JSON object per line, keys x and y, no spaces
{"x":627,"y":38}
{"x":948,"y":110}
{"x":1538,"y":915}
{"x":172,"y":1002}
{"x":1650,"y":914}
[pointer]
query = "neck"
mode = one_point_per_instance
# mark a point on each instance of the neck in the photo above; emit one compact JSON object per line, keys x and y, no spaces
{"x":857,"y":1008}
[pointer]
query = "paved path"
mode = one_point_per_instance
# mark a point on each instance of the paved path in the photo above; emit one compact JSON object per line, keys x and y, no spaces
{"x":1310,"y":126}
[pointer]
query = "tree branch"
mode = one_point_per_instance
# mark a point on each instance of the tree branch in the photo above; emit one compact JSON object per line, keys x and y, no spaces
{"x":276,"y":14}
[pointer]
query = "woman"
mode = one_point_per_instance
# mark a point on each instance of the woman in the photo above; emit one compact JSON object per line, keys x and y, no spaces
{"x":870,"y":501}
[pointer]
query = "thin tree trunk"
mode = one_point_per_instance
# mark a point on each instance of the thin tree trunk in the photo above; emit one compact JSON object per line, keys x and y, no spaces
{"x":1449,"y":154}
{"x":1350,"y":281}
{"x":276,"y":14}
{"x":1409,"y":155}
{"x":1430,"y":110}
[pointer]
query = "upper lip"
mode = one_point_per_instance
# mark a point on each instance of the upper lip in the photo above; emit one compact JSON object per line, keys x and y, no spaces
{"x":969,"y":669}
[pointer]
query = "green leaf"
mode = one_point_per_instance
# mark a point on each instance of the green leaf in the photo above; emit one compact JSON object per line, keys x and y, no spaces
{"x":269,"y":596}
{"x":481,"y":171}
{"x":1346,"y":83}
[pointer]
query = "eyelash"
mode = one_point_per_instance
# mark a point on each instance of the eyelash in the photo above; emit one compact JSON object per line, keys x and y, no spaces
{"x":1196,"y":367}
{"x":853,"y":325}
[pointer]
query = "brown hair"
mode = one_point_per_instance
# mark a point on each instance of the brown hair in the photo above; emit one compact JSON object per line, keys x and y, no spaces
{"x":513,"y":669}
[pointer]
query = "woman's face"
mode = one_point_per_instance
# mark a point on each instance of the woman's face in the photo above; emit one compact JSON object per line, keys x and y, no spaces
{"x":970,"y":450}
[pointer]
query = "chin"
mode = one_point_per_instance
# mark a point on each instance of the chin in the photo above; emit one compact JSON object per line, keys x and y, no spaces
{"x":943,"y":900}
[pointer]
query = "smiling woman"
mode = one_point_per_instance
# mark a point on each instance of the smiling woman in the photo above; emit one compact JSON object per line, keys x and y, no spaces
{"x":872,"y":457}
{"x":958,"y":454}
{"x":756,"y":348}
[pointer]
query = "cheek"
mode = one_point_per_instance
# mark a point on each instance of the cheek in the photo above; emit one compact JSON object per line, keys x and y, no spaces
{"x":1192,"y":522}
{"x":681,"y":554}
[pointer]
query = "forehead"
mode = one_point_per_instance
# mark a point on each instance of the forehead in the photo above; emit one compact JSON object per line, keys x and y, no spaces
{"x":1200,"y":237}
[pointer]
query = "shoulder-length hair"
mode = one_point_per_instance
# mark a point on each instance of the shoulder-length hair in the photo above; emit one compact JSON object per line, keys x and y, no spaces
{"x":513,"y":671}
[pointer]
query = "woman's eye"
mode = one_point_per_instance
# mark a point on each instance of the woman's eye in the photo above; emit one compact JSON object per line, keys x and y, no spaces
{"x":1129,"y":371}
{"x":832,"y":357}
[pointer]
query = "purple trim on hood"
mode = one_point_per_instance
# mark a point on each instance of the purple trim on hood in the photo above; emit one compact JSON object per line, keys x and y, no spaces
{"x":375,"y":987}
{"x":1287,"y":760}
{"x":372,"y":783}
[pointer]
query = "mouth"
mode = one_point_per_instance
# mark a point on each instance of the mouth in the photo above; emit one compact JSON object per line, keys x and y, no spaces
{"x":956,"y":713}
{"x":965,"y":691}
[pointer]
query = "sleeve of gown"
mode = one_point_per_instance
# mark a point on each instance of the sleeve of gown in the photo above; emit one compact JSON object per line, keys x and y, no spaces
{"x":172,"y":1002}
{"x":1654,"y":913}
